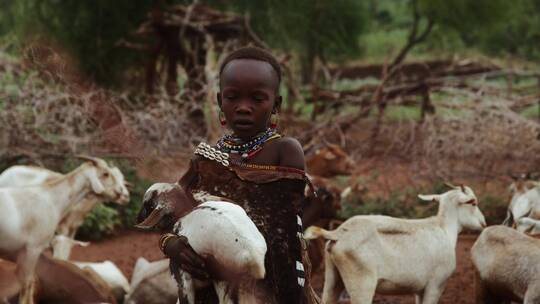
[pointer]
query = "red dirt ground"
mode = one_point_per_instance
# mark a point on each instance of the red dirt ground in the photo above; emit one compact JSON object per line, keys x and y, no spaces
{"x":124,"y":249}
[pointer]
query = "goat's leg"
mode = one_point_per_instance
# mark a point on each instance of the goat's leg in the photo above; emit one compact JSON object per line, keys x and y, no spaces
{"x":418,"y":299}
{"x":187,"y":289}
{"x":26,"y":266}
{"x":333,"y":285}
{"x":223,"y":291}
{"x":359,"y":280}
{"x":433,"y":292}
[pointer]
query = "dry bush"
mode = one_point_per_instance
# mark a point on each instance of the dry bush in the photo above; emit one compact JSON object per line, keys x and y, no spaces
{"x":487,"y":140}
{"x":48,"y":110}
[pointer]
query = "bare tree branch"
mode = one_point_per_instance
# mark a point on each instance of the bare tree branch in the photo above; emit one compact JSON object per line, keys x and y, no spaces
{"x":414,"y":38}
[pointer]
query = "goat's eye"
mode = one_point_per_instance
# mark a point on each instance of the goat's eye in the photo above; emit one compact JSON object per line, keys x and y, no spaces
{"x":106,"y":174}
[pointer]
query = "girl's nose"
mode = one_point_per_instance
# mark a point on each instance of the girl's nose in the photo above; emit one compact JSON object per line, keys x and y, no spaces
{"x":243,"y":107}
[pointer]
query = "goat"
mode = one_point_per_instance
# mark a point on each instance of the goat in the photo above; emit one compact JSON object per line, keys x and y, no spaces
{"x":58,"y":281}
{"x":106,"y":270}
{"x":63,"y":282}
{"x":26,"y":175}
{"x":218,"y":230}
{"x":320,"y":210}
{"x":508,"y":266}
{"x":111,"y":274}
{"x":329,"y":161}
{"x":18,"y":176}
{"x":525,"y":202}
{"x":325,"y":162}
{"x":152,"y":283}
{"x":373,"y":253}
{"x":30,"y":215}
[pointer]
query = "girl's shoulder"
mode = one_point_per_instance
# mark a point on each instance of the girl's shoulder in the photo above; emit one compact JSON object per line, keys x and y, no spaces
{"x":291,"y":153}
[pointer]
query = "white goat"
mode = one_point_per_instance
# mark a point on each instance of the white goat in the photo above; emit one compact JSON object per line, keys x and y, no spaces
{"x":508,"y":264}
{"x":107,"y":270}
{"x":219,"y":230}
{"x":18,"y":176}
{"x":525,"y":202}
{"x":152,"y":283}
{"x":30,"y":215}
{"x":373,"y":253}
{"x":111,"y":274}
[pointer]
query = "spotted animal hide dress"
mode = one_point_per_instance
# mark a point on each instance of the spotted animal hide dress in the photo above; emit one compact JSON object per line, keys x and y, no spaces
{"x":272,"y":198}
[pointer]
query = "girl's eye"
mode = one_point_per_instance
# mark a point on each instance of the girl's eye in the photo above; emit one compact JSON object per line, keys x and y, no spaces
{"x":230,"y":97}
{"x":259,"y":98}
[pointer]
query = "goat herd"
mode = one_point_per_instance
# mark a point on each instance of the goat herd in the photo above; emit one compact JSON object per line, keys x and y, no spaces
{"x":366,"y":254}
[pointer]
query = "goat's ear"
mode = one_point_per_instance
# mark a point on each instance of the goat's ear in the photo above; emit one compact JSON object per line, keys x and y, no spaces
{"x":96,"y":184}
{"x":153,"y":219}
{"x":429,"y":197}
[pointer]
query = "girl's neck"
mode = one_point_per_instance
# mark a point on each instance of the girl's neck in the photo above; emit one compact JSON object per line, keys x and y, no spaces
{"x":247,"y":139}
{"x":246,"y":148}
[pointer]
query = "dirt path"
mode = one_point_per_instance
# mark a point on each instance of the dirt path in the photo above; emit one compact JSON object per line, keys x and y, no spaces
{"x":124,"y":249}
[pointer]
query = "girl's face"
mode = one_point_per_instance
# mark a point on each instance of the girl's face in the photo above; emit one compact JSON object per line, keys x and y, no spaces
{"x":248,"y":96}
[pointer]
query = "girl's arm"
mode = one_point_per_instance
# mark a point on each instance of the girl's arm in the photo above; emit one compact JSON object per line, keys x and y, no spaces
{"x":177,"y":248}
{"x":291,"y":153}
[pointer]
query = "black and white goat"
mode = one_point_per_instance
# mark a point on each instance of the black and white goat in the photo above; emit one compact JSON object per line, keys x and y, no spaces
{"x":217,"y":230}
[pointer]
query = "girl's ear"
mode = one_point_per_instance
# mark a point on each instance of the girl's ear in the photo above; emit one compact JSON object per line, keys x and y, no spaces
{"x":218,"y":98}
{"x":277,"y":104}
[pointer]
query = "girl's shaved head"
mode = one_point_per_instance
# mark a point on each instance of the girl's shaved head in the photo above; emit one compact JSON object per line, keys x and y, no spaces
{"x":253,"y":53}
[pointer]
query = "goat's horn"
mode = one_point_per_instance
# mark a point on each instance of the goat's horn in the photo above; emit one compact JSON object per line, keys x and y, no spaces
{"x":449,"y":185}
{"x":462,"y":187}
{"x":88,"y":158}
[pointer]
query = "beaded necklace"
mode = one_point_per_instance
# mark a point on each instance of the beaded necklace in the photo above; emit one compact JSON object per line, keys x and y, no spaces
{"x":247,"y":149}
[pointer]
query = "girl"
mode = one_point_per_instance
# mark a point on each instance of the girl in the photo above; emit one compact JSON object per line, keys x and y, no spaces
{"x":264,"y":173}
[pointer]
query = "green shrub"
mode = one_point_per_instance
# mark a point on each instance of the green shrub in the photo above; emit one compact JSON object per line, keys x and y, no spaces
{"x":101,"y":221}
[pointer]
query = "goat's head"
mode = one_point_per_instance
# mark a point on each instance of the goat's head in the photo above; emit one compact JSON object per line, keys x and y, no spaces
{"x":330,"y":161}
{"x":522,"y":183}
{"x":464,"y":200}
{"x":120,"y":186}
{"x":163,"y":204}
{"x":103,"y":181}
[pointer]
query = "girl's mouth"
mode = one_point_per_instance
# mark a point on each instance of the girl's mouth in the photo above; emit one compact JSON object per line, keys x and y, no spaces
{"x":243,"y":124}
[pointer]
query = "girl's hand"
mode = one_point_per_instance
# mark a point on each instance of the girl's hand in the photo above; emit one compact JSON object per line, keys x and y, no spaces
{"x":178,"y":248}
